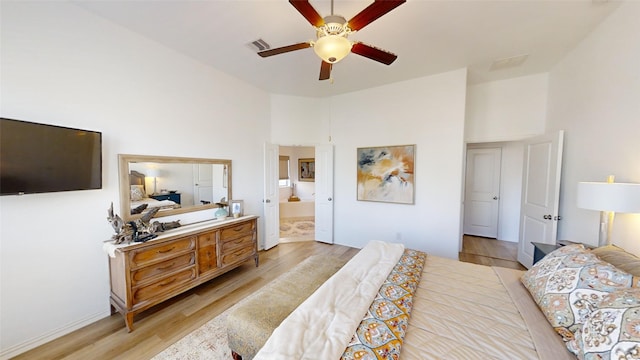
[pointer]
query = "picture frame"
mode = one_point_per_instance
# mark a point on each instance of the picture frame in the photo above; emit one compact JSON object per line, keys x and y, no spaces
{"x":386,"y":174}
{"x":307,"y":169}
{"x":236,"y":208}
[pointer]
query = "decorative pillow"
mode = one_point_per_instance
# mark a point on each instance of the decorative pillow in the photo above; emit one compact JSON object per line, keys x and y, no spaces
{"x":612,"y":330}
{"x":568,"y":283}
{"x":137,"y":192}
{"x":619,"y":258}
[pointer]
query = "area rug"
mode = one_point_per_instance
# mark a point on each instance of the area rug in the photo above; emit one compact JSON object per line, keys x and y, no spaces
{"x":292,"y":227}
{"x":207,"y":342}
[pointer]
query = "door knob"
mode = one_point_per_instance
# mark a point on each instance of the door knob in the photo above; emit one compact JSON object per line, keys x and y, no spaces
{"x":267,"y":201}
{"x":329,"y":199}
{"x":495,"y":198}
{"x":547,"y":217}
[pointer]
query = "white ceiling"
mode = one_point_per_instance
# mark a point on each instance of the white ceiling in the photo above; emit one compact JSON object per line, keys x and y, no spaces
{"x":428,"y":36}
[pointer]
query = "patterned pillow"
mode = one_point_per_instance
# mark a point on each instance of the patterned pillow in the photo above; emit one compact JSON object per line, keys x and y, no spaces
{"x":568,"y":283}
{"x":137,"y":193}
{"x":612,"y":331}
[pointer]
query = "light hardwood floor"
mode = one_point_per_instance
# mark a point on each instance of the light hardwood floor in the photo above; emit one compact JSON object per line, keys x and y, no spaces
{"x":160,"y":326}
{"x":490,"y":252}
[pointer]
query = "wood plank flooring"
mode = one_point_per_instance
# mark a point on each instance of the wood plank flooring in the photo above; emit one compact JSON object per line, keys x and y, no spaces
{"x":162,"y":325}
{"x":492,"y":252}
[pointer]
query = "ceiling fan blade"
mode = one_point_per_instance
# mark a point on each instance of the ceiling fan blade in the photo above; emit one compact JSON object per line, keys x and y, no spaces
{"x":325,"y":70}
{"x":373,"y":53}
{"x":308,"y":12}
{"x":284,"y":49}
{"x":372,"y":12}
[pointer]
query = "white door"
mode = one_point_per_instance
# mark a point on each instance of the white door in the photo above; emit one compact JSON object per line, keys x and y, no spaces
{"x":324,"y":193}
{"x":203,"y":184}
{"x":540,"y":193}
{"x":482,"y":189}
{"x":270,"y":201}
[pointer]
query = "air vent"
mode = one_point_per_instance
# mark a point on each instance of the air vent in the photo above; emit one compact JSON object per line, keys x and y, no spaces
{"x":259,"y":45}
{"x":508,"y":62}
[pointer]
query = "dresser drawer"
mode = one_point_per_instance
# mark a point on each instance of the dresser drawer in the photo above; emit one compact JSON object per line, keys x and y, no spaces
{"x":237,"y":255}
{"x":207,"y":259}
{"x":230,"y":244}
{"x":163,"y":286}
{"x":160,"y":252}
{"x":238,"y":230}
{"x":207,"y":239}
{"x":164,"y":267}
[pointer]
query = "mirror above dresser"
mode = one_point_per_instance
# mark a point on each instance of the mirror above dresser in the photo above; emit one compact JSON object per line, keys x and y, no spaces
{"x":176,"y":185}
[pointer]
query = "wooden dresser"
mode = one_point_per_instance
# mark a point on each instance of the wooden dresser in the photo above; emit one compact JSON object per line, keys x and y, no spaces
{"x":145,"y":274}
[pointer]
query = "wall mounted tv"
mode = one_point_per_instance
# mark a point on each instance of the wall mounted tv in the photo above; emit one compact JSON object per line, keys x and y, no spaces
{"x":39,"y":158}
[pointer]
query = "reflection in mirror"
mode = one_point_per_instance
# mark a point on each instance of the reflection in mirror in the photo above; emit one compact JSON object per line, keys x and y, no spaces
{"x":172,"y":184}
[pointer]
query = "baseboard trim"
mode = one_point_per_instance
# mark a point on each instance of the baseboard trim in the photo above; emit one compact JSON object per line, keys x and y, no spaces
{"x":27,"y":345}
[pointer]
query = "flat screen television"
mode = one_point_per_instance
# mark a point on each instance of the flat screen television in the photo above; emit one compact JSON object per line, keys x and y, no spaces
{"x":39,"y":158}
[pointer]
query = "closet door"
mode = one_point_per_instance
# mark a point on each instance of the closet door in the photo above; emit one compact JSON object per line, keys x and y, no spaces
{"x":270,"y":200}
{"x":482,"y":190}
{"x":324,"y":193}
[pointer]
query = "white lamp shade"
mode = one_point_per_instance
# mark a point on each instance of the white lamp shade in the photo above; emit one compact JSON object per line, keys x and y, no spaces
{"x":332,"y":48}
{"x":616,"y":197}
{"x":153,"y":172}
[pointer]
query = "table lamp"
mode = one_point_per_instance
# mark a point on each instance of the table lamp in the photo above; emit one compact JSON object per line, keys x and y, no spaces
{"x":153,"y":173}
{"x":608,"y":198}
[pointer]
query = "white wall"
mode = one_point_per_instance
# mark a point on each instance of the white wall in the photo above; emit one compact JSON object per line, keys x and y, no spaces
{"x":64,"y":66}
{"x":510,"y":191}
{"x":594,"y":94}
{"x":506,"y":110}
{"x":427,"y":112}
{"x":297,"y":120}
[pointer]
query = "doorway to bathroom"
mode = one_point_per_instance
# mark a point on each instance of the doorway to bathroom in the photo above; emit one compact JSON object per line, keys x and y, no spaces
{"x":296,"y":195}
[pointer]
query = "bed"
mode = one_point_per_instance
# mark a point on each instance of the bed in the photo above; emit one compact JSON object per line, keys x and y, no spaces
{"x":140,"y":201}
{"x":575,"y":302}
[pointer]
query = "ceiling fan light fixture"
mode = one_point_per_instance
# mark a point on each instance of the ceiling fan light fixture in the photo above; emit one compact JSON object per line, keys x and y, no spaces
{"x":332,"y":48}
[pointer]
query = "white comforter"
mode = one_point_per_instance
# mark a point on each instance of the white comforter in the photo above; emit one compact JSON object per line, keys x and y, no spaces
{"x":322,"y":326}
{"x":152,"y":203}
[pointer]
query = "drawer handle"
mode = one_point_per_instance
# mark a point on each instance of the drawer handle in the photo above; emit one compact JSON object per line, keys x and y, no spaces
{"x":238,"y":253}
{"x":168,"y":282}
{"x":167,"y":267}
{"x":238,"y":229}
{"x":166,"y":251}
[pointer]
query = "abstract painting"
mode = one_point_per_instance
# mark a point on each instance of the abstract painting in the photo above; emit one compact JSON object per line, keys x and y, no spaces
{"x":386,"y":174}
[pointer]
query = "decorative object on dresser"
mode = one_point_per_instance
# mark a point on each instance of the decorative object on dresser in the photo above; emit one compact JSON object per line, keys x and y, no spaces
{"x":386,"y":174}
{"x":139,"y":230}
{"x":237,"y":208}
{"x":221,"y":213}
{"x":145,"y":274}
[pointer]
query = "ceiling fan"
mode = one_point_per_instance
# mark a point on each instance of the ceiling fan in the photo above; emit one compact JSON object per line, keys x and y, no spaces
{"x":332,"y":32}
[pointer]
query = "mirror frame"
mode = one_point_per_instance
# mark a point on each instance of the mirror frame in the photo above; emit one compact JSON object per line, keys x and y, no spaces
{"x":125,"y":189}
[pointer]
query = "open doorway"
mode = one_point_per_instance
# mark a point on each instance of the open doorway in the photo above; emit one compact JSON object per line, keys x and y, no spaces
{"x":493,"y":180}
{"x":296,"y":195}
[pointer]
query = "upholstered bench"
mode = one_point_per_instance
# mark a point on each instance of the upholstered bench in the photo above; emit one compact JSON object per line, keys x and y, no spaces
{"x":251,"y":322}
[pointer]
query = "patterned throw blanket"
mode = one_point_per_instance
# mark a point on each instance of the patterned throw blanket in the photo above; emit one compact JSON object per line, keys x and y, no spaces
{"x":381,"y":332}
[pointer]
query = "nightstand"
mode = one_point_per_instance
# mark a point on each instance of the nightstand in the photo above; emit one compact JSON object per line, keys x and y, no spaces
{"x":540,"y":250}
{"x":175,"y":197}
